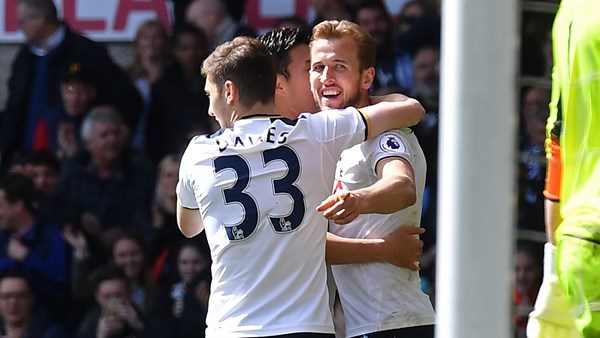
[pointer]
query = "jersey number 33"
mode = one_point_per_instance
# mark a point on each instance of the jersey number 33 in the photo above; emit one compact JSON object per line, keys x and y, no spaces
{"x":239,"y":194}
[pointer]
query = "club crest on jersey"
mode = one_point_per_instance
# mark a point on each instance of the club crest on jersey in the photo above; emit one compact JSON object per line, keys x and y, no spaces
{"x":285,"y":225}
{"x":237,"y":233}
{"x":392,"y":144}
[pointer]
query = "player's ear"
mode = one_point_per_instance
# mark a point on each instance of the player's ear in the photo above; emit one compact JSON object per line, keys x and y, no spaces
{"x":230,"y":92}
{"x":368,"y":75}
{"x":279,"y":85}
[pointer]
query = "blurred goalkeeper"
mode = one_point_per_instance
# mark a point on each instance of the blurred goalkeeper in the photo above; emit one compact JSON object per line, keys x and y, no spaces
{"x":568,"y":304}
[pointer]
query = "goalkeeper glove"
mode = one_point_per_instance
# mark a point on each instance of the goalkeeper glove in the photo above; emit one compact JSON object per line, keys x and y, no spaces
{"x":552,"y":316}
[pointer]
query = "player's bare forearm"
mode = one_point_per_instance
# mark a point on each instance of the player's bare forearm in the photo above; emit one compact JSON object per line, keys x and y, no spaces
{"x":385,"y":115}
{"x":394,"y":191}
{"x":552,"y":218}
{"x":401,"y":248}
{"x":386,"y":196}
{"x":416,"y":116}
{"x":189,"y":221}
{"x":342,"y":250}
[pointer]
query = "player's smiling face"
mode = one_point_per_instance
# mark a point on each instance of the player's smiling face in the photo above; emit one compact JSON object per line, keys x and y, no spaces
{"x":335,"y":74}
{"x":217,"y":104}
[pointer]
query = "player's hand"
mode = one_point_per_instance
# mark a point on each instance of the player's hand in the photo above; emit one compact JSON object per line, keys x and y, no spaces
{"x":403,"y":248}
{"x":552,"y":316}
{"x":342,"y":207}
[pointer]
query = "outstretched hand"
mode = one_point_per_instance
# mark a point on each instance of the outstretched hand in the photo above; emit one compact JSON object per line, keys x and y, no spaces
{"x":403,"y":248}
{"x":342,"y":207}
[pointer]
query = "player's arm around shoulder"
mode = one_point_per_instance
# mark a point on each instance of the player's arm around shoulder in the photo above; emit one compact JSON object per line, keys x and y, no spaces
{"x":402,"y":248}
{"x":394,"y":111}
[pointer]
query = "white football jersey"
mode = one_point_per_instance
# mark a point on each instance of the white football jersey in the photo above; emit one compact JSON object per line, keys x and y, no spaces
{"x":257,"y":184}
{"x":380,"y":296}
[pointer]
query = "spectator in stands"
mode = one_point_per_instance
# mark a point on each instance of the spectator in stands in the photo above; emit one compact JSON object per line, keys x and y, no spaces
{"x":78,"y":91}
{"x":393,"y":64}
{"x":528,"y":279}
{"x":49,"y":50}
{"x":19,"y":315}
{"x":426,"y":72}
{"x":532,"y":160}
{"x":179,"y":105}
{"x":292,"y":22}
{"x":109,"y":192}
{"x":331,"y":10}
{"x":129,"y":255}
{"x":114,"y":313}
{"x":426,"y":77}
{"x":214,"y":19}
{"x":411,"y":12}
{"x":30,"y":246}
{"x":166,"y":235}
{"x":44,"y":168}
{"x":189,"y":295}
{"x":534,"y":98}
{"x":418,"y":25}
{"x":152,"y":57}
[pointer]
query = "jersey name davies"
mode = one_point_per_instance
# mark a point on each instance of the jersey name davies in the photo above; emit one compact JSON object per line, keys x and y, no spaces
{"x":272,"y":136}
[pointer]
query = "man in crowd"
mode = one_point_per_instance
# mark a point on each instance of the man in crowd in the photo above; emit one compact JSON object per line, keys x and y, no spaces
{"x":32,"y":113}
{"x":30,"y":245}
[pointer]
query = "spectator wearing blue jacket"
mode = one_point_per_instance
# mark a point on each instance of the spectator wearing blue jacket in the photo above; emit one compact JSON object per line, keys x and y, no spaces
{"x":31,"y":246}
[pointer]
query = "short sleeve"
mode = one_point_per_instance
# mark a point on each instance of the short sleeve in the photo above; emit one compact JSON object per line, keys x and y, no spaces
{"x":395,"y":143}
{"x":344,"y":127}
{"x":185,"y":190}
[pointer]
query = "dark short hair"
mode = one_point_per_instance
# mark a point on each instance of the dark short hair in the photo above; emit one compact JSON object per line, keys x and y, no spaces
{"x":45,"y":8}
{"x":19,"y":188}
{"x":280,"y":41}
{"x":17,"y":274}
{"x":80,"y":73}
{"x":246,"y":62}
{"x":14,"y":273}
{"x":106,"y":273}
{"x":44,"y":158}
{"x":373,"y":4}
{"x":188,"y":29}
